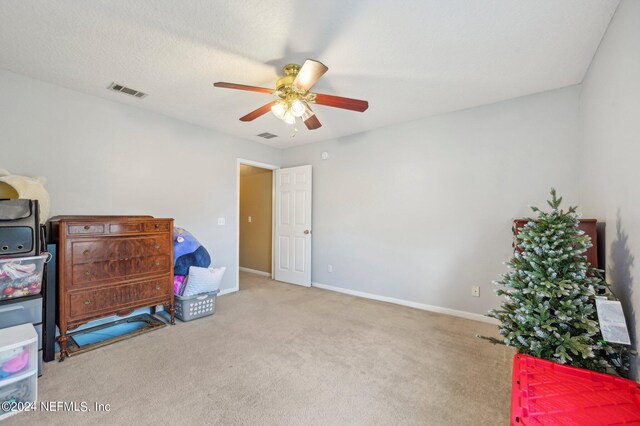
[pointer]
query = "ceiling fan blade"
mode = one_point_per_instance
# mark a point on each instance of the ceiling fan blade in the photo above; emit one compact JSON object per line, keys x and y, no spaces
{"x":340,"y":102}
{"x":312,"y":122}
{"x":309,"y":74}
{"x":242,"y":87}
{"x":257,"y":113}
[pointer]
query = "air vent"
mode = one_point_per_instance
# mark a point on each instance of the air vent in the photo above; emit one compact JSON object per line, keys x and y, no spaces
{"x":267,"y":135}
{"x":127,"y":90}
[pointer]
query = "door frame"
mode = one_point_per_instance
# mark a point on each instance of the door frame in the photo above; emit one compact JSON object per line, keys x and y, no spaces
{"x":272,"y":167}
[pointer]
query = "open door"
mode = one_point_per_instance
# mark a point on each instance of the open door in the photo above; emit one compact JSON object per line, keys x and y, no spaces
{"x":293,"y":225}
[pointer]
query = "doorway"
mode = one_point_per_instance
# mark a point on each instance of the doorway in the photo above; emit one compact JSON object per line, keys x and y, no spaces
{"x":279,"y":249}
{"x":255,"y":218}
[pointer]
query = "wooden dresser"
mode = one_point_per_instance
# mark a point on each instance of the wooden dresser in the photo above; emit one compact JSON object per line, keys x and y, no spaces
{"x":111,"y":265}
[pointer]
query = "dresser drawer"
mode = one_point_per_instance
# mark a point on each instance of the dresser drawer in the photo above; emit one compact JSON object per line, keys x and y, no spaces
{"x":98,"y":250}
{"x":150,"y":246}
{"x":150,"y":264}
{"x":125,"y":227}
{"x":88,"y":273}
{"x":157,"y":226}
{"x":120,"y":248}
{"x":85,"y":228}
{"x":87,"y":303}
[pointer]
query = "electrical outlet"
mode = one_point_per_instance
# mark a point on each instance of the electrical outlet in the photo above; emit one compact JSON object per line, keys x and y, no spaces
{"x":329,"y":268}
{"x":250,"y":219}
{"x":475,"y":291}
{"x":221,"y":221}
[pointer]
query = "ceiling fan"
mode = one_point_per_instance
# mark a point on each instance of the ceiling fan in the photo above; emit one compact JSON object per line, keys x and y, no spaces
{"x":294,"y":96}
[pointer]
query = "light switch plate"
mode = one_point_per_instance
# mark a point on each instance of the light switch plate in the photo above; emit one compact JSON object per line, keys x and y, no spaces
{"x":475,"y":291}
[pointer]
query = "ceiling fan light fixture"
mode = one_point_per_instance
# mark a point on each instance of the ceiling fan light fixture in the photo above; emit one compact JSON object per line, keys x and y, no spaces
{"x":297,"y":108}
{"x":289,"y":118}
{"x":279,"y":109}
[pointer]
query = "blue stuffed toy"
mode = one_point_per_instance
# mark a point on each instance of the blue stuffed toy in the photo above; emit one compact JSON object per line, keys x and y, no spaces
{"x":187,"y":252}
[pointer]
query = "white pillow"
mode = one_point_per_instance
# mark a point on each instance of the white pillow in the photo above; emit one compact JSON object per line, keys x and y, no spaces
{"x":203,"y":280}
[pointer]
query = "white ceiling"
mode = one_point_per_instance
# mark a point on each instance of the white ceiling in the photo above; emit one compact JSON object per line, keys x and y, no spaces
{"x":409,"y":59}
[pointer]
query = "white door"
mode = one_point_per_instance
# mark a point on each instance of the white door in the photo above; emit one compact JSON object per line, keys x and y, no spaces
{"x":293,"y":225}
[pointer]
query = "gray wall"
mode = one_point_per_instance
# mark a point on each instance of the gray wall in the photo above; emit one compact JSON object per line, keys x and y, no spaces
{"x":103,"y":157}
{"x":610,"y":178}
{"x":422,"y":211}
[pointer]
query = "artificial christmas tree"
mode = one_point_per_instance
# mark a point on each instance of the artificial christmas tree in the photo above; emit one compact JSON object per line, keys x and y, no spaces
{"x":549,"y":309}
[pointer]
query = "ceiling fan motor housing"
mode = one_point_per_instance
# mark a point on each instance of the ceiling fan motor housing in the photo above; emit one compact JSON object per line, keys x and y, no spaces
{"x":290,"y":73}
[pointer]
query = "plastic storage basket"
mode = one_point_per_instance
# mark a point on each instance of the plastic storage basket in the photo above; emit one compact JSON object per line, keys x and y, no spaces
{"x":197,"y":306}
{"x":21,"y":276}
{"x":18,"y":368}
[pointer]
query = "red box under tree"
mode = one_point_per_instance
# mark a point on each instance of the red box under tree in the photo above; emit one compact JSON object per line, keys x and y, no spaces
{"x":547,"y":393}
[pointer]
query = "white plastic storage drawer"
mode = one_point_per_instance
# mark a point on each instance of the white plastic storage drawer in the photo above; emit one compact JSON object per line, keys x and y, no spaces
{"x":18,"y":368}
{"x":21,"y":311}
{"x":21,"y":395}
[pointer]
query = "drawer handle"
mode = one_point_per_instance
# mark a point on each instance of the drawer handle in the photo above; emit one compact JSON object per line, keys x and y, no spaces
{"x":157,"y":246}
{"x":87,"y":273}
{"x":157,"y":286}
{"x":86,"y":252}
{"x":157,"y":263}
{"x":87,"y":302}
{"x":87,"y":227}
{"x":157,"y":225}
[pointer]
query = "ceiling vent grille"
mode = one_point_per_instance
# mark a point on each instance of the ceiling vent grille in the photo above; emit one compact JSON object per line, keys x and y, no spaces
{"x":126,"y":90}
{"x":267,"y":135}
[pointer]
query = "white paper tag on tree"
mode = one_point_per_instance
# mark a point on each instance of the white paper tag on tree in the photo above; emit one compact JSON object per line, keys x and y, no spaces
{"x":612,"y":323}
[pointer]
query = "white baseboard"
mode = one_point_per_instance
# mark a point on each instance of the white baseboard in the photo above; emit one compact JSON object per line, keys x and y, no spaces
{"x":254,"y":271}
{"x":416,"y":305}
{"x":227,"y":291}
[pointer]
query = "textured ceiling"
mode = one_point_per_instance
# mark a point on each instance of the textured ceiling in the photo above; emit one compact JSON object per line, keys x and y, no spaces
{"x":409,"y":59}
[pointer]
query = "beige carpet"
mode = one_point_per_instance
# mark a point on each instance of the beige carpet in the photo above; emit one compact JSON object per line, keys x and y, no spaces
{"x":279,"y":354}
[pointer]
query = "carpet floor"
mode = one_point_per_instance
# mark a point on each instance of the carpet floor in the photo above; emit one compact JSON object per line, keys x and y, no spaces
{"x":279,"y":354}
